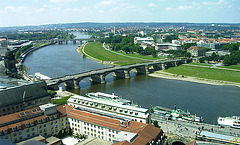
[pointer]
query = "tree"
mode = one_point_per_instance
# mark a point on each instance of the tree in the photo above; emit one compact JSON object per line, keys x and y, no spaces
{"x":202,"y":59}
{"x":155,"y":123}
{"x":187,"y":45}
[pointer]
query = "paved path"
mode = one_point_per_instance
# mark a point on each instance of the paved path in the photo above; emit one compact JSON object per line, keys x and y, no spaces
{"x":215,"y":67}
{"x":190,"y":129}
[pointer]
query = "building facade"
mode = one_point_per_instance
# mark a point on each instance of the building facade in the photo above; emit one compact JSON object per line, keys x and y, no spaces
{"x":196,"y":51}
{"x":105,"y":127}
{"x":168,"y":46}
{"x":139,"y":40}
{"x":46,"y":120}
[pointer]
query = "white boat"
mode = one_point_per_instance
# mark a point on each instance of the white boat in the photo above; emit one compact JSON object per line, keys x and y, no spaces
{"x":233,"y":121}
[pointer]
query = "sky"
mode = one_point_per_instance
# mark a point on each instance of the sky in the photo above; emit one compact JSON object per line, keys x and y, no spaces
{"x":38,"y":12}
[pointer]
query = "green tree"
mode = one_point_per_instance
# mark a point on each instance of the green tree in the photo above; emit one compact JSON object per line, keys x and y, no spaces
{"x":155,"y":123}
{"x":202,"y":59}
{"x":187,"y":45}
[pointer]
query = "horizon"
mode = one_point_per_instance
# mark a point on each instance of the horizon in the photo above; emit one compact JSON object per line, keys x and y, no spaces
{"x":36,"y":12}
{"x":234,"y":23}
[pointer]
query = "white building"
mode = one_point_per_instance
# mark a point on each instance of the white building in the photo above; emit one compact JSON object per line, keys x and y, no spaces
{"x":103,"y":126}
{"x":168,"y":46}
{"x":139,"y":40}
{"x":111,"y":105}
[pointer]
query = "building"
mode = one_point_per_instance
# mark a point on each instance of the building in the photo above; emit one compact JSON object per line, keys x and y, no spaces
{"x":139,"y":40}
{"x":40,"y":139}
{"x":220,"y":53}
{"x":106,"y":127}
{"x":111,"y":105}
{"x":45,"y":120}
{"x":17,"y":95}
{"x":146,"y":136}
{"x":168,"y":46}
{"x":196,"y":51}
{"x":213,"y":45}
{"x":10,"y":64}
{"x":3,"y":45}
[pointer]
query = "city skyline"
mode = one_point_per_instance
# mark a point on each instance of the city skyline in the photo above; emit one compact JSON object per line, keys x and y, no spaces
{"x":36,"y":12}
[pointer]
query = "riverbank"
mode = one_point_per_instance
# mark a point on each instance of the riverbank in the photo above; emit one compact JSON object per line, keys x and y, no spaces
{"x":166,"y":75}
{"x":24,"y":54}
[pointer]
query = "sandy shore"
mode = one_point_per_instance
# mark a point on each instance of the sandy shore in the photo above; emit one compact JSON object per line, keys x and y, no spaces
{"x":165,"y":75}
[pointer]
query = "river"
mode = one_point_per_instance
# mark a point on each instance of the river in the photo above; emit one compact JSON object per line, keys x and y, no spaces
{"x":208,"y":101}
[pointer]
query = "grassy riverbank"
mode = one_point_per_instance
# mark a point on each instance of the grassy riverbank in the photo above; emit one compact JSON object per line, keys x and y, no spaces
{"x":208,"y":73}
{"x":199,"y":74}
{"x":96,"y":51}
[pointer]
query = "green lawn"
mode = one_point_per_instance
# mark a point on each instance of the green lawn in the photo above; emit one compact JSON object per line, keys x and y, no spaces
{"x":95,"y":50}
{"x":231,"y":67}
{"x":60,"y":101}
{"x":38,"y":44}
{"x":208,"y":73}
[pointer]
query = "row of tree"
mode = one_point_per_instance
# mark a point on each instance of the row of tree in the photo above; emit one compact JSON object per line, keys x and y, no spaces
{"x":232,"y":59}
{"x":45,"y":35}
{"x":22,"y":49}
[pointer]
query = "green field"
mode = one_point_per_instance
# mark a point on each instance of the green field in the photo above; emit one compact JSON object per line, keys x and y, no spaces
{"x":208,"y":73}
{"x":95,"y":50}
{"x":231,"y":67}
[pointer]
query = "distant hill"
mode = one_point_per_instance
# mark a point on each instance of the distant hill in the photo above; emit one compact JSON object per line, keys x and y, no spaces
{"x":101,"y":25}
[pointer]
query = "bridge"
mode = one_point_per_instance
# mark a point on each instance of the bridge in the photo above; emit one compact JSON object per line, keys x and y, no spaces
{"x":61,"y":41}
{"x":123,"y":72}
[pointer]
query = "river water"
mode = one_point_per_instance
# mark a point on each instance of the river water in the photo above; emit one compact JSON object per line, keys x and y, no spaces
{"x":208,"y":101}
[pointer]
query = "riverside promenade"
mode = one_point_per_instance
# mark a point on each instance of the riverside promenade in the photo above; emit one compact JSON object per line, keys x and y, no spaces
{"x":192,"y":130}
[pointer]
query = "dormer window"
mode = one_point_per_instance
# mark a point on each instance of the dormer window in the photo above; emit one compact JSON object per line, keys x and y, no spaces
{"x":14,"y":129}
{"x":19,"y":127}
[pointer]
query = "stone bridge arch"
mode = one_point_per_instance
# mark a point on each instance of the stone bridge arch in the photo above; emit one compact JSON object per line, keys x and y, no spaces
{"x":177,"y":140}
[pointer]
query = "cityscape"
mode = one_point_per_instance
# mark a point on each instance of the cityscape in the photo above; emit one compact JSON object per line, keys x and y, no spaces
{"x":82,"y":73}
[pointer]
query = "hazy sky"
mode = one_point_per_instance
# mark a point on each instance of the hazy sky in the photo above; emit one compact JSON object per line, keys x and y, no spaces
{"x":36,"y":12}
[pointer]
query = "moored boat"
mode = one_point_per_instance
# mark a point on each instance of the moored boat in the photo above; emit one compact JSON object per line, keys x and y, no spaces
{"x":233,"y":121}
{"x":176,"y":114}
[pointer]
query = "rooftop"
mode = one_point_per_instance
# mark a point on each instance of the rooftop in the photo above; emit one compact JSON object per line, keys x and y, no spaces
{"x":20,"y":119}
{"x":115,"y":103}
{"x":6,"y":82}
{"x":131,"y":126}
